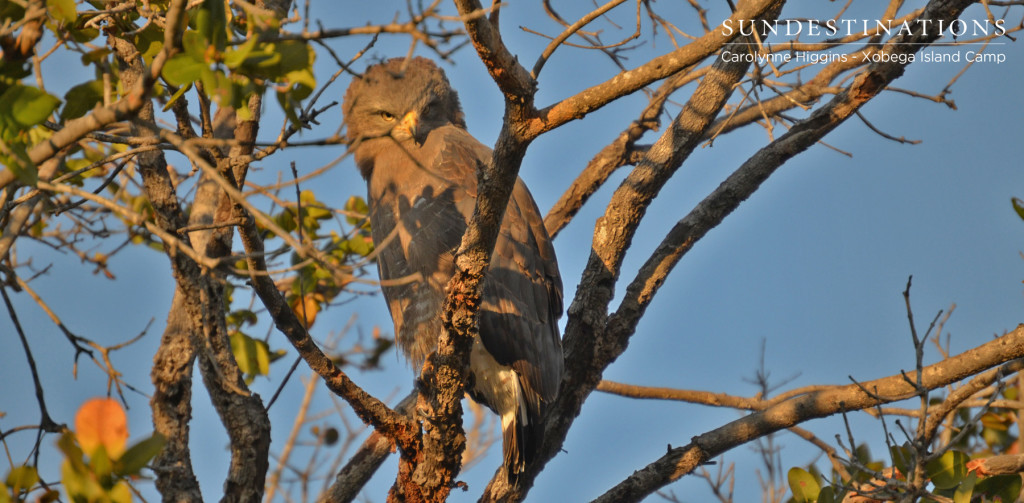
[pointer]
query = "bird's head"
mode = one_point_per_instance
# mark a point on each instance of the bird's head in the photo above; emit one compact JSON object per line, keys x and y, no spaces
{"x":404,"y":99}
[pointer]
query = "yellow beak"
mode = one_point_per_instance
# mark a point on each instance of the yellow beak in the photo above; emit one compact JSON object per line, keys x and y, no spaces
{"x":406,"y":128}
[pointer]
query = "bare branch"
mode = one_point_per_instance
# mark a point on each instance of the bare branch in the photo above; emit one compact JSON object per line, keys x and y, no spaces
{"x":681,"y":461}
{"x":569,"y":31}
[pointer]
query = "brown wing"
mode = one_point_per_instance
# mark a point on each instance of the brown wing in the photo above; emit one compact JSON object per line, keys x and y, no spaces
{"x":523,"y":300}
{"x":417,"y":211}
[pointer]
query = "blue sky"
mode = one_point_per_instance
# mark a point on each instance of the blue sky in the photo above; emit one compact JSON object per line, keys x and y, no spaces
{"x":812,"y":265}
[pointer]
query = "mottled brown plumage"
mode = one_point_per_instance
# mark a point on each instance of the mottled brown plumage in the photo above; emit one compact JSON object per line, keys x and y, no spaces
{"x":409,"y":137}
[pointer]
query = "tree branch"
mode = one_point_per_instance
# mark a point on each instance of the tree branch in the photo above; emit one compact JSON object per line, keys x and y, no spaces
{"x":630,"y":81}
{"x":513,"y":80}
{"x":681,"y":461}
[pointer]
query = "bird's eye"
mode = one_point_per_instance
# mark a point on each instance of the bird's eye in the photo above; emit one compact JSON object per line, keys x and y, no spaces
{"x":388,"y":116}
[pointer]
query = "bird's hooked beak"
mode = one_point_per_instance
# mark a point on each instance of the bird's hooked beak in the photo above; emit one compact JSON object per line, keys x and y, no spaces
{"x":406,"y":128}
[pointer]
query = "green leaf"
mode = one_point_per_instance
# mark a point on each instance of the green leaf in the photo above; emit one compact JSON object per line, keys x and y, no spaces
{"x":243,"y":89}
{"x":357,"y":205}
{"x":360,"y":245}
{"x":1018,"y":206}
{"x":183,"y":69}
{"x":22,"y":478}
{"x":253,"y":356}
{"x":242,"y":317}
{"x":295,"y":70}
{"x":78,"y":163}
{"x":209,"y":80}
{"x":262,"y":358}
{"x":1005,"y":487}
{"x":303,"y":83}
{"x":286,"y":220}
{"x":965,"y":489}
{"x":262,"y":58}
{"x":95,"y":56}
{"x":100,"y":463}
{"x":72,"y":452}
{"x":235,"y":320}
{"x":902,"y":457}
{"x":149,"y":42}
{"x":62,"y":10}
{"x":19,"y":163}
{"x":177,"y":94}
{"x":81,"y":98}
{"x":307,"y":197}
{"x":138,"y":455}
{"x":827,"y":495}
{"x":314,"y":209}
{"x":83,"y":35}
{"x":77,"y":483}
{"x":218,"y":87}
{"x":22,"y":107}
{"x":295,"y":55}
{"x":195,"y":45}
{"x":805,"y":486}
{"x":120,"y":493}
{"x":948,"y":470}
{"x":236,"y":56}
{"x":212,"y":23}
{"x":290,"y":108}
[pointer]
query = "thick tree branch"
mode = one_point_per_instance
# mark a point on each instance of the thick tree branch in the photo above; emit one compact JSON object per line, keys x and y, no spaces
{"x":956,"y":398}
{"x":997,"y":465}
{"x":196,"y":328}
{"x":513,"y":80}
{"x":630,"y":81}
{"x":681,"y":461}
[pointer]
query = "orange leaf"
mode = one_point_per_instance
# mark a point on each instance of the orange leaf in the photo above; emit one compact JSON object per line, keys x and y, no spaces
{"x":102,"y":422}
{"x":306,"y":309}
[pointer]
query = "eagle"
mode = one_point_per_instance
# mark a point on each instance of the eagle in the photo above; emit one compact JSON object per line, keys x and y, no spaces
{"x":407,"y":131}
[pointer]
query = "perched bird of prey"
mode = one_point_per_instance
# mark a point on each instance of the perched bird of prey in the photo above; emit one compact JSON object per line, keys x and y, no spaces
{"x":406,"y":128}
